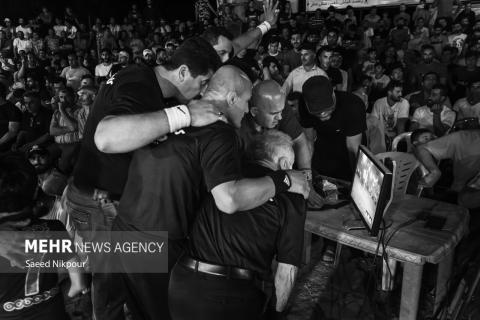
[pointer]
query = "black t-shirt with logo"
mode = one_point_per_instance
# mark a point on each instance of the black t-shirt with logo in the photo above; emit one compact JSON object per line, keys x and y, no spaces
{"x":168,"y":182}
{"x":250,"y":239}
{"x":133,"y":90}
{"x":330,"y":156}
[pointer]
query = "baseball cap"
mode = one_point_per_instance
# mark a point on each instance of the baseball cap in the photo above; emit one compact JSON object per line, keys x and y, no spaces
{"x":318,"y":94}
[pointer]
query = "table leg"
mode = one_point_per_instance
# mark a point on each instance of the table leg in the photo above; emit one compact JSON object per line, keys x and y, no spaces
{"x":307,"y":246}
{"x":443,"y":275}
{"x":411,"y":284}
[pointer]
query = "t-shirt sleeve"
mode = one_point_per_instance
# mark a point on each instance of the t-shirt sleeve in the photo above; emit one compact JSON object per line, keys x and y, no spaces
{"x":290,"y":238}
{"x":403,"y":109}
{"x":220,"y":158}
{"x":417,"y":115}
{"x":289,"y":123}
{"x":288,"y":84}
{"x":131,"y":98}
{"x":355,"y":117}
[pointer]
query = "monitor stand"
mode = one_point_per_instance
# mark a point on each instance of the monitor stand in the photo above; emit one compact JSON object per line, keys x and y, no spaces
{"x":354,"y":224}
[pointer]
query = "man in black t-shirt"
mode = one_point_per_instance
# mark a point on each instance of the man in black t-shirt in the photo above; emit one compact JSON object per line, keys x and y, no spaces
{"x":10,"y":118}
{"x":268,"y":110}
{"x":228,"y":253}
{"x":324,"y":57}
{"x":129,"y":112}
{"x":167,"y":183}
{"x":339,"y":121}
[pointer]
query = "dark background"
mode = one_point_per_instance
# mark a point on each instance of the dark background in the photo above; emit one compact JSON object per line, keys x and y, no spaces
{"x":169,"y":9}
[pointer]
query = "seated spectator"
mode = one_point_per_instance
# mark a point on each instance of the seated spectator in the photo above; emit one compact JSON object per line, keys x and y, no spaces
{"x":426,"y":65}
{"x":35,"y":125}
{"x":463,"y":75}
{"x":73,"y":73}
{"x":103,"y":69}
{"x":368,"y":67}
{"x":438,"y":40}
{"x":400,"y":34}
{"x":123,"y":62}
{"x":392,"y":110}
{"x":10,"y":118}
{"x":463,"y":148}
{"x":469,"y":107}
{"x":435,"y":115}
{"x":420,"y":98}
{"x":64,"y":129}
{"x":21,"y":43}
{"x":457,"y":38}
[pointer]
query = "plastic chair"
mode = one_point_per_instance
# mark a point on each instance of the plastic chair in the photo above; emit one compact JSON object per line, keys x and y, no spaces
{"x":403,"y":137}
{"x":465,"y":124}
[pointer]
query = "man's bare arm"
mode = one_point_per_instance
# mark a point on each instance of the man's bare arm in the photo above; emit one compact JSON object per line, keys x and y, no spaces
{"x":284,"y":281}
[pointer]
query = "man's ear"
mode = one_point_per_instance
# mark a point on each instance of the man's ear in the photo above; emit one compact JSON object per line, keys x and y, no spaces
{"x":183,"y":73}
{"x":284,"y":163}
{"x":254,"y":111}
{"x":231,"y":98}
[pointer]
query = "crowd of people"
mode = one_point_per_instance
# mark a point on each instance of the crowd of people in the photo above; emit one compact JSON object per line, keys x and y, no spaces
{"x":212,"y":129}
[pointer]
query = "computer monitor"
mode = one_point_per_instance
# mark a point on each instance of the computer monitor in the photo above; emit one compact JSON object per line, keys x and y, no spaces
{"x":371,"y":189}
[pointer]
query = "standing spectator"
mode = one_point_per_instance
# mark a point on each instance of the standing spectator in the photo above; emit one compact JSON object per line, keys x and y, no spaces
{"x":114,"y":27}
{"x":350,"y":14}
{"x":52,"y":40}
{"x":317,"y":22}
{"x":309,"y":68}
{"x":37,"y":42}
{"x":292,"y":58}
{"x":466,"y":13}
{"x":435,"y":116}
{"x":324,"y":58}
{"x":73,"y":73}
{"x":5,"y":43}
{"x":86,"y":97}
{"x":150,"y":11}
{"x":400,"y":33}
{"x":70,"y":29}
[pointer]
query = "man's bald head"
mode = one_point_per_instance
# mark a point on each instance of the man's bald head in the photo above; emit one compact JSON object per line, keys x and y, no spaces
{"x":228,"y":79}
{"x":267,"y":104}
{"x":230,"y":89}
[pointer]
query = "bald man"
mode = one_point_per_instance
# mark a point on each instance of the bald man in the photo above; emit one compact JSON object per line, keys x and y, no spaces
{"x":268,"y":110}
{"x":168,"y":182}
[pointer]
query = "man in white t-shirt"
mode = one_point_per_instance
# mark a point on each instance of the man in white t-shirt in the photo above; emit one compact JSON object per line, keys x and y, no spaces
{"x":392,"y":110}
{"x":22,"y":27}
{"x":20,"y":43}
{"x":103,"y":69}
{"x":74,"y":72}
{"x":435,"y":116}
{"x":469,"y":107}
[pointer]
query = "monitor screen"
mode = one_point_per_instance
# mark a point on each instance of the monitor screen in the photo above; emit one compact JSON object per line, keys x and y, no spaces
{"x":370,"y":188}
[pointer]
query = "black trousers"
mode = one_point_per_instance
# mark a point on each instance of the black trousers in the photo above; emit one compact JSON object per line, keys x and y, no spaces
{"x":147,"y":293}
{"x":198,"y":296}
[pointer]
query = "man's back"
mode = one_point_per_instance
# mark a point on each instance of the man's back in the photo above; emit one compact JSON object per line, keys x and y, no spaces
{"x":250,"y":239}
{"x":174,"y":177}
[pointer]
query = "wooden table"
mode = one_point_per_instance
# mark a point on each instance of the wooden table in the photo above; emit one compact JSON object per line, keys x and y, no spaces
{"x":412,"y":245}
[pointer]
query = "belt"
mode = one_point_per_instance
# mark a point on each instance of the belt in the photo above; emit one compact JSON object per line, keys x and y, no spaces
{"x":97,"y":194}
{"x":216,"y":270}
{"x":19,"y":304}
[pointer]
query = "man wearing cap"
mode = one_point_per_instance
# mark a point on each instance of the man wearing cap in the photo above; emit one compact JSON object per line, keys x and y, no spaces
{"x":339,"y":121}
{"x":308,"y":69}
{"x":268,"y":111}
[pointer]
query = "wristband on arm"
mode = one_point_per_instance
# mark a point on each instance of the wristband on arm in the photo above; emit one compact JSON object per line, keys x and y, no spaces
{"x":178,"y":117}
{"x":264,"y":27}
{"x":281,"y":180}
